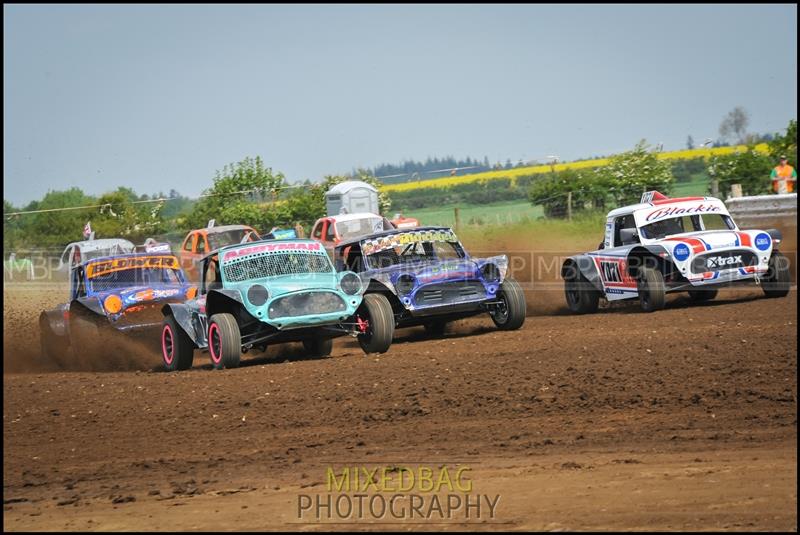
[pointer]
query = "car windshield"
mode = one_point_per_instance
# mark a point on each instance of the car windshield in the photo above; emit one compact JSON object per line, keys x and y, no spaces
{"x":355,"y":228}
{"x":679,"y":225}
{"x":228,"y":237}
{"x":416,"y":252}
{"x":134,"y":277}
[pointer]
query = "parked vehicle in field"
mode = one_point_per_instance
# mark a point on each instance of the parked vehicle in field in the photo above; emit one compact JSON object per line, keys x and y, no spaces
{"x":199,"y":242}
{"x":331,"y":230}
{"x":664,"y":245}
{"x":268,"y":292}
{"x":80,"y":251}
{"x":109,"y":294}
{"x":430,"y":279}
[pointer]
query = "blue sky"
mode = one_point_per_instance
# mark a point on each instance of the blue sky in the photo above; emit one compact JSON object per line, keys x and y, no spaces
{"x":160,"y":97}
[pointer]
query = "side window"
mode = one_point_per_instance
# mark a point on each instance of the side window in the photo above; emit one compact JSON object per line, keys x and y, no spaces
{"x":81,"y":280}
{"x":66,"y":255}
{"x":329,"y":235}
{"x":187,"y":245}
{"x":201,"y":243}
{"x":213,"y":278}
{"x":625,"y":221}
{"x":317,"y":232}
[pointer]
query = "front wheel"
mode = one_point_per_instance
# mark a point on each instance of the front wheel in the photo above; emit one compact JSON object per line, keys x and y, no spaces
{"x":777,"y":281}
{"x":509,"y":314}
{"x":377,"y":317}
{"x":177,"y":349}
{"x":652,"y":290}
{"x":224,"y":341}
{"x":318,"y":348}
{"x":582,"y":297}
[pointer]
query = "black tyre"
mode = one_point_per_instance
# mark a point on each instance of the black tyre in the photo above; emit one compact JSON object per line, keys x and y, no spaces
{"x":777,"y":281}
{"x":435,"y":327}
{"x":510,"y":313}
{"x":377,"y":312}
{"x":318,"y":347}
{"x":582,"y":297}
{"x":177,"y":349}
{"x":698,"y":296}
{"x":652,"y":290}
{"x":224,"y":341}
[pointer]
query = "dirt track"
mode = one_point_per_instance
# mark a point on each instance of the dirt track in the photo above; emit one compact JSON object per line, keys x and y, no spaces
{"x":682,"y":419}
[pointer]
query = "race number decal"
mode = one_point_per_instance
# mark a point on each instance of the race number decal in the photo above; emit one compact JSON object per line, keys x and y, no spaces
{"x":613,"y":271}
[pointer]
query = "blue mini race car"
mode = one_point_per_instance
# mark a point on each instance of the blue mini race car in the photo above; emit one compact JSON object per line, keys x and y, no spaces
{"x":121,"y":293}
{"x":430,"y":279}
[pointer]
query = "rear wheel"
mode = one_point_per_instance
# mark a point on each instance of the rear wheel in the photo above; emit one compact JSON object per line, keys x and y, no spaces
{"x":582,"y":297}
{"x":224,"y":341}
{"x":777,"y":281}
{"x":510,"y":313}
{"x":699,"y":296}
{"x":177,"y":349}
{"x":318,"y":347}
{"x":652,"y":290}
{"x":377,"y":317}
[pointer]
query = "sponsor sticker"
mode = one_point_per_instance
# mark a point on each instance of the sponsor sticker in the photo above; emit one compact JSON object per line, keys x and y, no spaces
{"x":372,"y":246}
{"x":763,"y":241}
{"x":681,"y":252}
{"x":98,"y":269}
{"x":271,"y":248}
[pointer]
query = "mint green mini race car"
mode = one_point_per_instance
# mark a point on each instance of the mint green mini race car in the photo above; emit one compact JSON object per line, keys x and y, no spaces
{"x":269,"y":292}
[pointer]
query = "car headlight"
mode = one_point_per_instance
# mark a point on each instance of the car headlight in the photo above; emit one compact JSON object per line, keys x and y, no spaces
{"x":490,"y":272}
{"x":350,"y":284}
{"x":257,"y":295}
{"x":112,"y":304}
{"x":404,"y":284}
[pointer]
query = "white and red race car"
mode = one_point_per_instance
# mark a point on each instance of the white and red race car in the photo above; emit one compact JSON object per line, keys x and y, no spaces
{"x":666,"y":245}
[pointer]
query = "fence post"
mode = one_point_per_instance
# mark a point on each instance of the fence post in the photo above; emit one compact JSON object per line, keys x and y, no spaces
{"x":714,"y":187}
{"x":458,"y":219}
{"x":569,"y":205}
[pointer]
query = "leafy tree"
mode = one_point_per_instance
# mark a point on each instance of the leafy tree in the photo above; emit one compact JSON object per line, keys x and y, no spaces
{"x":735,"y":125}
{"x":749,"y":168}
{"x":227,"y":203}
{"x":785,"y":144}
{"x":631,"y":173}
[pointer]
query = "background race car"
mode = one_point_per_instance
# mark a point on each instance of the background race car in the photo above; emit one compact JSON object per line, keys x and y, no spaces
{"x":430,"y":279}
{"x":269,"y":292}
{"x":666,"y":245}
{"x":111,"y":294}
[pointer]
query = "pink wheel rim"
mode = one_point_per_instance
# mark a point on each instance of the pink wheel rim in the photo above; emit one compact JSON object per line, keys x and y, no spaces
{"x":216,"y":353}
{"x":167,"y":340}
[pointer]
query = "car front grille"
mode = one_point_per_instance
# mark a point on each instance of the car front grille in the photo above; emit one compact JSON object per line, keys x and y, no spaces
{"x":306,"y":304}
{"x":450,"y":292}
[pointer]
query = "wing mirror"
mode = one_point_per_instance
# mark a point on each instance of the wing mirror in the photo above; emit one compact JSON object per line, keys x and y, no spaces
{"x":629,"y":236}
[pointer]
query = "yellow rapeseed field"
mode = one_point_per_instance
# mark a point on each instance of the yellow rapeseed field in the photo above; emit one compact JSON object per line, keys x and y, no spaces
{"x":536,"y":169}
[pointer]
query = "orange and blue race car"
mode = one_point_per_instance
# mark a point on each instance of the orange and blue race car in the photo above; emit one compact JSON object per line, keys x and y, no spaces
{"x":122,"y":293}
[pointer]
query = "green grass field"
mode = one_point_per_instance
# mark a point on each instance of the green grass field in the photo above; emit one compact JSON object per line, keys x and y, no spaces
{"x":503,"y":213}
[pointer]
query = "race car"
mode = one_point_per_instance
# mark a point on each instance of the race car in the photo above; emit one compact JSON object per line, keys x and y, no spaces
{"x":331,"y":230}
{"x":80,"y":251}
{"x":268,"y":292}
{"x":199,"y":242}
{"x":430,"y":279}
{"x":122,"y":293}
{"x":664,"y":245}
